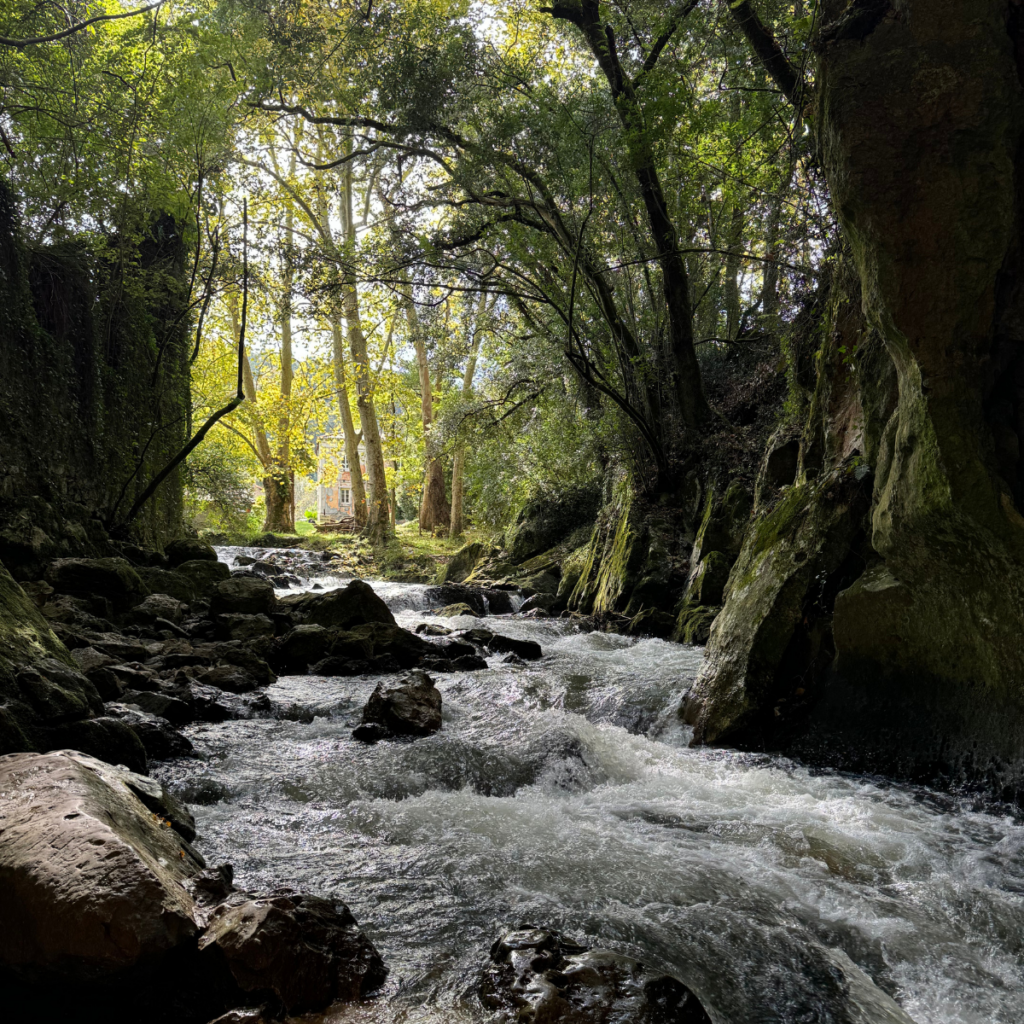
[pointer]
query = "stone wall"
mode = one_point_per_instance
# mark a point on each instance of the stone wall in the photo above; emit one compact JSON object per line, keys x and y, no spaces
{"x":94,"y":389}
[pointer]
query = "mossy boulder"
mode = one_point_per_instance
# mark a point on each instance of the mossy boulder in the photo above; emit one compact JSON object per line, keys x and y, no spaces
{"x":450,"y":611}
{"x":189,"y":549}
{"x":548,"y":518}
{"x":462,"y":563}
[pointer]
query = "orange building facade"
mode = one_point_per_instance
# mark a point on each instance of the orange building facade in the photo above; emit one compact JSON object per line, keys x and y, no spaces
{"x":334,"y":481}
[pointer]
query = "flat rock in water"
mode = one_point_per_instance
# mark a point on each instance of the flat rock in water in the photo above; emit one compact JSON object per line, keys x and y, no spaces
{"x":537,"y":977}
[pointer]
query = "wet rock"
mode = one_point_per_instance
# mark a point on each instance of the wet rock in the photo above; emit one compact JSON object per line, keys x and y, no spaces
{"x":469,"y":663}
{"x":159,"y":606}
{"x":451,"y":610}
{"x":242,"y":595}
{"x":89,"y":877}
{"x":112,"y":579}
{"x":483,"y":601}
{"x":304,"y":950}
{"x":204,"y":791}
{"x":240,"y":654}
{"x":651,"y":622}
{"x":354,"y":605}
{"x":121,"y":648}
{"x":105,"y":738}
{"x":301,"y":647}
{"x":267,"y":568}
{"x":432,"y":629}
{"x":232,"y":678}
{"x":537,"y":977}
{"x":539,"y":602}
{"x":528,"y":650}
{"x":536,"y":613}
{"x":176,"y":711}
{"x":159,"y":738}
{"x":239,"y":626}
{"x":189,"y":550}
{"x":371,"y":732}
{"x":411,"y":709}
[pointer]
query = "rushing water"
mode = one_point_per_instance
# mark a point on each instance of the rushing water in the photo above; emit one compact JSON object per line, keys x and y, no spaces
{"x":563,"y":793}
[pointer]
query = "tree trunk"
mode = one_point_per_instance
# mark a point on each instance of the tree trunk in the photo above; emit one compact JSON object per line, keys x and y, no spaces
{"x":458,"y":524}
{"x":378,"y":521}
{"x":351,"y":438}
{"x":895,"y":605}
{"x":732,"y":272}
{"x":434,"y":508}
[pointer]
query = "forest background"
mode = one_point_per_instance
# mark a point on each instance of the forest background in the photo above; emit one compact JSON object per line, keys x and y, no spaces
{"x":504,"y":247}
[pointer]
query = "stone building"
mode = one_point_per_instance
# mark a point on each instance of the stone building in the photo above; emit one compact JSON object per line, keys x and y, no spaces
{"x":334,"y":480}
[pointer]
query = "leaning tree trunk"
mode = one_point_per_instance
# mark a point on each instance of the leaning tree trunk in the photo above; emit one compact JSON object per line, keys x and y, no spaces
{"x":874,"y":616}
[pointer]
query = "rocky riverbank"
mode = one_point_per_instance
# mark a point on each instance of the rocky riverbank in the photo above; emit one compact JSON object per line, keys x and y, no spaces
{"x":109,"y":910}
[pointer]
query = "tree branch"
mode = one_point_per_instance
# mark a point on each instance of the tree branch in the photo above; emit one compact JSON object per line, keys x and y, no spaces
{"x":787,"y":77}
{"x":22,"y":43}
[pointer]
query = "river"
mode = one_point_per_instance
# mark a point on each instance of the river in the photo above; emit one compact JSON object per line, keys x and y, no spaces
{"x":563,"y":793}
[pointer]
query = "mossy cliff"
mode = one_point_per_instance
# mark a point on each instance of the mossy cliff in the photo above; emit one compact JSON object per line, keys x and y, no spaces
{"x":94,"y":389}
{"x":874,"y":617}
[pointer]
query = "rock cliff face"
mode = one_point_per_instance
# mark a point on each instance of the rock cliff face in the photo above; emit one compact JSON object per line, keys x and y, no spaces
{"x":94,"y":391}
{"x":873,"y":618}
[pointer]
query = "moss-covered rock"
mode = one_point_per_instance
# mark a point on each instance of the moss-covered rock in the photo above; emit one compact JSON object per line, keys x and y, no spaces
{"x":113,"y":579}
{"x":548,"y":518}
{"x":462,"y":563}
{"x":693,"y":623}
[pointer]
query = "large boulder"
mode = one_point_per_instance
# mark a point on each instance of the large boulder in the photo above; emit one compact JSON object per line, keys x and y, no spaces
{"x":179,"y":585}
{"x":349,"y":606}
{"x":202,"y":575}
{"x":89,"y":876}
{"x":243,"y":595}
{"x":412,"y":709}
{"x":189,"y":549}
{"x":537,"y":977}
{"x":300,"y":948}
{"x":112,"y":579}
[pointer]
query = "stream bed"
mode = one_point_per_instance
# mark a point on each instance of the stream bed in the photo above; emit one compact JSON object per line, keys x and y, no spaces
{"x":562,"y":793}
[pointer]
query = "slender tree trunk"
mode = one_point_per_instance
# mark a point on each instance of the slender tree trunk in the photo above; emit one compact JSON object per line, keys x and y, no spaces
{"x":732,"y":272}
{"x":378,"y":520}
{"x":434,"y":508}
{"x":458,"y":524}
{"x":348,"y":427}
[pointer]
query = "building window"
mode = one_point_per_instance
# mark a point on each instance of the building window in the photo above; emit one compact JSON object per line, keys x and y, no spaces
{"x":346,"y":496}
{"x":344,"y":463}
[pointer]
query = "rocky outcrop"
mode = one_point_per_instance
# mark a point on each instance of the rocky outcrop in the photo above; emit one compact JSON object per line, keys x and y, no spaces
{"x":536,"y":977}
{"x":548,"y":518}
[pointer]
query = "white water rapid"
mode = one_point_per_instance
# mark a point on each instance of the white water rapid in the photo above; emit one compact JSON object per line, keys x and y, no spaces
{"x":562,"y":793}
